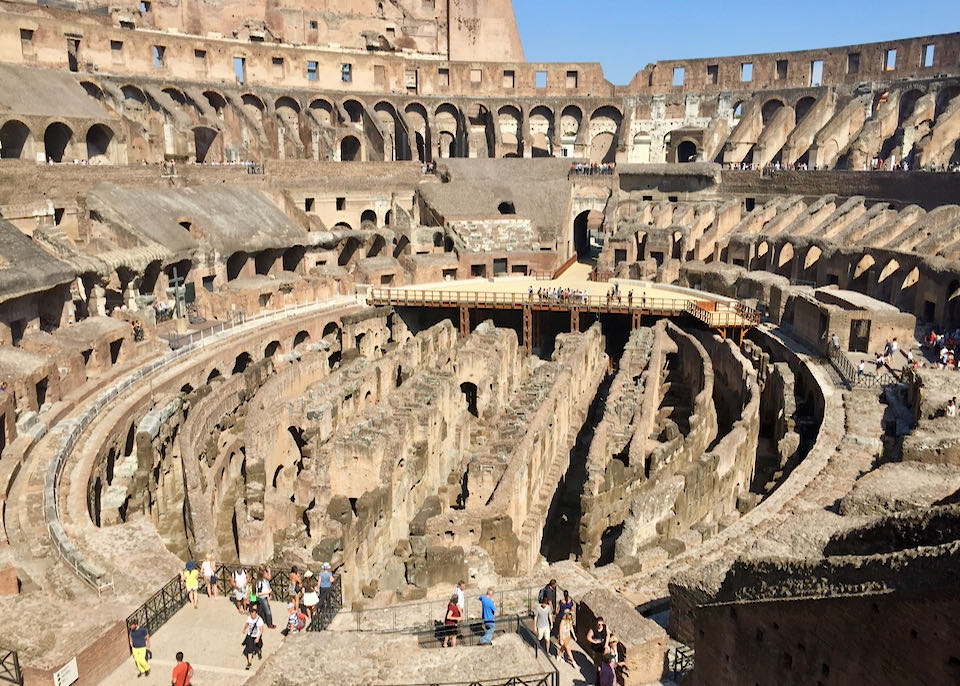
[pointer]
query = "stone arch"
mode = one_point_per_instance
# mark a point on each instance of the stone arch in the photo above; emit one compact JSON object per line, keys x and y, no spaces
{"x":349,"y":251}
{"x":687,"y":151}
{"x":541,"y":126}
{"x":448,"y":122}
{"x":236,"y":264}
{"x":332,"y":333}
{"x":216,"y":101}
{"x":100,"y":143}
{"x":908,"y":103}
{"x":323,"y":111}
{"x":354,"y":110}
{"x":350,"y":149}
{"x":214,"y":373}
{"x":770,"y":108}
{"x":399,"y":148}
{"x":785,"y":260}
{"x":302,"y":337}
{"x":56,"y":138}
{"x":368,"y":215}
{"x":417,"y":119}
{"x":811,"y":257}
{"x":879,"y":100}
{"x":93,"y":90}
{"x":863,"y":265}
{"x":889,"y":269}
{"x":16,"y":140}
{"x":509,"y":124}
{"x":133,"y":94}
{"x":945,"y":97}
{"x":273,"y":347}
{"x":803,"y":106}
{"x":762,"y":255}
{"x":204,"y":140}
{"x":241,"y":362}
{"x":604,"y":133}
{"x":571,"y":117}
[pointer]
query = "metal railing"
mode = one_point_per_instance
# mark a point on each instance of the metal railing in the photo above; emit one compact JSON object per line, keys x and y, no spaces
{"x":539,"y":679}
{"x":402,"y":616}
{"x":468,"y":632}
{"x":10,"y":667}
{"x":681,"y":661}
{"x":851,"y":375}
{"x":74,"y":427}
{"x":165,"y":603}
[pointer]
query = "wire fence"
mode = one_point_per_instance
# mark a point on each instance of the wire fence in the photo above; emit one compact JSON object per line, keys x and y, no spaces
{"x":852,"y":375}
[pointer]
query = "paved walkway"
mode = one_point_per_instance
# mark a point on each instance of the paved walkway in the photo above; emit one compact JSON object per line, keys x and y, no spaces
{"x":210,"y":638}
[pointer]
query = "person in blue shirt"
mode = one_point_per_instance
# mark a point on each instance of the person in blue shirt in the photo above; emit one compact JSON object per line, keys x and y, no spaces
{"x":489,"y":613}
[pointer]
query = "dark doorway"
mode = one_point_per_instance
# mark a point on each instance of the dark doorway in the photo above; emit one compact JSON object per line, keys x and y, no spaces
{"x":469,"y":391}
{"x":581,"y":236}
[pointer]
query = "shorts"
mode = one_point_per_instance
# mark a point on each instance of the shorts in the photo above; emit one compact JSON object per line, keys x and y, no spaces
{"x":543,"y":634}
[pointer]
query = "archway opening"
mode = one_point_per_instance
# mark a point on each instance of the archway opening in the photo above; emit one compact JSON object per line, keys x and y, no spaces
{"x":687,"y":152}
{"x":99,"y":138}
{"x":13,"y":139}
{"x":350,"y":149}
{"x":55,"y":140}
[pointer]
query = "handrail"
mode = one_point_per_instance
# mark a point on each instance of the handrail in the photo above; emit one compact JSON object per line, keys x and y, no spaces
{"x":737,"y":313}
{"x":850,"y":374}
{"x":159,"y":608}
{"x":10,"y":670}
{"x":74,"y":427}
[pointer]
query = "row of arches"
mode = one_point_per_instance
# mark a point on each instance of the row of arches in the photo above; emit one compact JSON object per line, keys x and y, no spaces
{"x":59,"y":142}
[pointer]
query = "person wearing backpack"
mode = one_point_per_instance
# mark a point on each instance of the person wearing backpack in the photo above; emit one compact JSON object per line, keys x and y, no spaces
{"x":182,"y":672}
{"x":548,"y":594}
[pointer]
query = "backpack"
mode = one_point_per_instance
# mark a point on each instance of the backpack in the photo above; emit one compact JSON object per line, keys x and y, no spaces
{"x":542,"y":596}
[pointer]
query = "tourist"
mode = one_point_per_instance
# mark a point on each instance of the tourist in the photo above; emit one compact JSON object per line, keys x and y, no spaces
{"x":450,"y":621}
{"x":860,"y":368}
{"x":310,"y":597}
{"x":296,"y":620}
{"x":252,"y":597}
{"x":182,"y":672}
{"x":294,"y":585}
{"x":951,"y":410}
{"x":565,"y":635}
{"x":139,"y":639}
{"x":238,"y":581}
{"x":489,"y":613}
{"x":548,"y":594}
{"x":630,"y":298}
{"x":458,"y":591}
{"x":263,"y":597}
{"x":191,"y":579}
{"x":209,"y":570}
{"x":566,"y":605}
{"x":613,"y":648}
{"x":835,"y":341}
{"x":607,"y":676}
{"x":253,"y":637}
{"x":544,"y":622}
{"x":326,"y":577}
{"x":597,"y":640}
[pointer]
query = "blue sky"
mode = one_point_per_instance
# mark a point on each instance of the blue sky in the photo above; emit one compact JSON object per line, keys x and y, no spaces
{"x":625,"y":35}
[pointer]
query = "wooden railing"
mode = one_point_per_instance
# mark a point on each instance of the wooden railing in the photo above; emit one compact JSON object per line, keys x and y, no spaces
{"x":711,"y":313}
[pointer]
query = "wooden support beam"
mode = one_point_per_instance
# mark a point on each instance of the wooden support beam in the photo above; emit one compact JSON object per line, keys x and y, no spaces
{"x":464,"y":321}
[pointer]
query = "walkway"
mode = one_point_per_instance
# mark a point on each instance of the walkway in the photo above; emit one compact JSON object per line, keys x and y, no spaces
{"x":521,"y":293}
{"x":210,"y":639}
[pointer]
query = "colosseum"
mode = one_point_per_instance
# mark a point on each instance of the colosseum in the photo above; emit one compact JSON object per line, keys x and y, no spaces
{"x":354,"y":289}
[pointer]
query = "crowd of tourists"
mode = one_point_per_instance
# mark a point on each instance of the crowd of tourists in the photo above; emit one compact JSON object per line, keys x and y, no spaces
{"x":591,"y":169}
{"x":554,"y":619}
{"x":566,"y":296}
{"x":250,"y":591}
